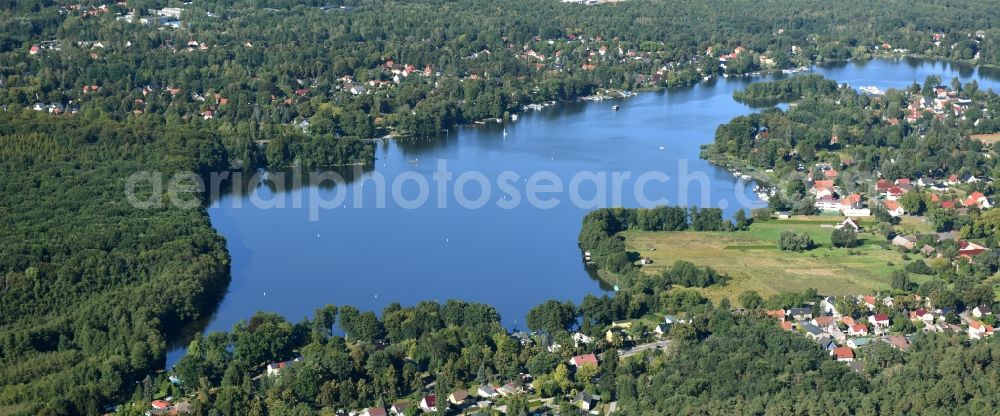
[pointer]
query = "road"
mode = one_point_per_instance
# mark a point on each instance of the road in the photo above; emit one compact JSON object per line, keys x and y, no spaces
{"x":661,"y":344}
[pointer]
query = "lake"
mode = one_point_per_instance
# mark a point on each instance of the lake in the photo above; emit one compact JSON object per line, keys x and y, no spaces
{"x":512,"y":253}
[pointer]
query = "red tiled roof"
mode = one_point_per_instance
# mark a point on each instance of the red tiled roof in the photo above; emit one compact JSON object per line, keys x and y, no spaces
{"x":843,"y":352}
{"x":825,"y":183}
{"x":585,"y":359}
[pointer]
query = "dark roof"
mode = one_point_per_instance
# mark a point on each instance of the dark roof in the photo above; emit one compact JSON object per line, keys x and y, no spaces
{"x":586,"y":398}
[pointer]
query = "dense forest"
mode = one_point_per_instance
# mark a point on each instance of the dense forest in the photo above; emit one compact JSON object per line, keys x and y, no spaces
{"x":91,"y":287}
{"x":785,"y":90}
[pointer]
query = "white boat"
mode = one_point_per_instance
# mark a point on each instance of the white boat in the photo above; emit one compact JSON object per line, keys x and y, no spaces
{"x":615,"y":108}
{"x":504,"y":132}
{"x":513,"y":117}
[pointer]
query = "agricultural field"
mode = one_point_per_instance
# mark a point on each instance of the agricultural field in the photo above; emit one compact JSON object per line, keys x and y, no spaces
{"x":754,"y":262}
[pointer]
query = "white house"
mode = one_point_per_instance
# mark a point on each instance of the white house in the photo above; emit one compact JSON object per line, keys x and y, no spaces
{"x":979,"y":330}
{"x":429,"y":403}
{"x":981,"y":310}
{"x":580,"y":338}
{"x":274,"y":368}
{"x":879,"y":320}
{"x":486,"y":392}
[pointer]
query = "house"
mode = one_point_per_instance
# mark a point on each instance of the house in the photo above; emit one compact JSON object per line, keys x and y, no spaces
{"x":579,"y":338}
{"x":507,"y":390}
{"x":953,"y":180}
{"x":894,"y":208}
{"x":857,"y":212}
{"x":974,"y":199}
{"x":34,"y":50}
{"x":825,"y":342}
{"x":879,"y":320}
{"x":623,"y":324}
{"x":922,"y":315}
{"x":849,"y":224}
{"x":357,"y":90}
{"x":823,"y":187}
{"x":159,"y":404}
{"x":843,"y":354}
{"x":375,"y":411}
{"x":399,"y":408}
{"x":585,"y":401}
{"x":274,"y":368}
{"x":836,"y":333}
{"x":801,"y":314}
{"x":882,"y":185}
{"x":783,"y":215}
{"x":823,"y":321}
{"x":661,"y":329}
{"x":828,"y":203}
{"x":777,"y":313}
{"x":813,"y":331}
{"x":894,"y":193}
{"x":458,"y":397}
{"x":982,"y":310}
{"x":969,"y":249}
{"x":586,"y":359}
{"x":979,"y":330}
{"x":429,"y":403}
{"x":857,"y":330}
{"x":828,"y":306}
{"x":847,"y":320}
{"x":486,"y":392}
{"x":908,"y":242}
{"x":927,"y":250}
{"x":898,"y":341}
{"x":855,"y":343}
{"x":787,"y":325}
{"x":869,"y":302}
{"x":969,"y":178}
{"x":611,"y":333}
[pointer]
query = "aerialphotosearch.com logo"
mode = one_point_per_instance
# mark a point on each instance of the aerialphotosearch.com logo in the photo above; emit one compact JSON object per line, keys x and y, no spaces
{"x":327,"y":190}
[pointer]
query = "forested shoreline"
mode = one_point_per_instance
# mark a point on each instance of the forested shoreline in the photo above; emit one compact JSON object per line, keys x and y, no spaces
{"x":91,"y":285}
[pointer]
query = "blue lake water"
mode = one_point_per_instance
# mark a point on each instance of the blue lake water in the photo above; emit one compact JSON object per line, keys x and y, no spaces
{"x":286,"y":260}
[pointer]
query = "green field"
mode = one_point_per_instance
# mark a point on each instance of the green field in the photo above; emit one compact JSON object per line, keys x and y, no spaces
{"x":754,"y":262}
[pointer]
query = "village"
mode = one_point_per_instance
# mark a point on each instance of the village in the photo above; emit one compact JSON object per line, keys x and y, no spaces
{"x":555,"y":53}
{"x":890,"y":319}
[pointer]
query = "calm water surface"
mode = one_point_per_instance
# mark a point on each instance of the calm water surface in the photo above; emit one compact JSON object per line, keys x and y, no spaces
{"x":513,"y":259}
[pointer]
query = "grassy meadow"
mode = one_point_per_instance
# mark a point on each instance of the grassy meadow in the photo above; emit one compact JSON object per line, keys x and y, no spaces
{"x":754,"y":262}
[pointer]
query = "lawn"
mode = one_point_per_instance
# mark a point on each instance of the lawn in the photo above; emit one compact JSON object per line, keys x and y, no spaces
{"x":754,"y":262}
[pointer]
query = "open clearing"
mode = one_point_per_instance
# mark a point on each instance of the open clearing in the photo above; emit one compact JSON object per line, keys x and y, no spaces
{"x":754,"y":262}
{"x":988,"y":138}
